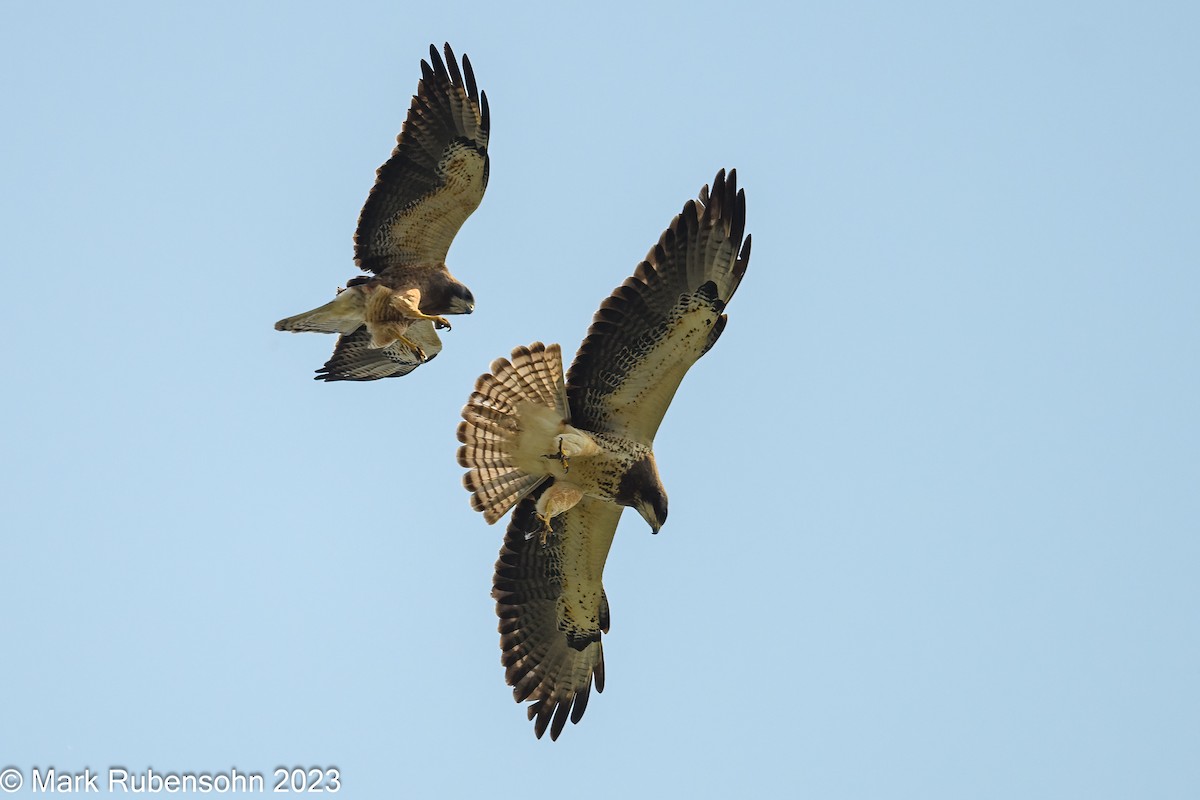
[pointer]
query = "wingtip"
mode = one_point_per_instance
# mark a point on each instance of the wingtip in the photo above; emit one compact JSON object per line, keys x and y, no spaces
{"x":726,"y":201}
{"x":438,"y":66}
{"x":469,"y":74}
{"x":456,"y":77}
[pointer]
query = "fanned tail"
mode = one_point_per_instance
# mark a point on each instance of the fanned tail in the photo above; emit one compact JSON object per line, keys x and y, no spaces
{"x":515,"y":409}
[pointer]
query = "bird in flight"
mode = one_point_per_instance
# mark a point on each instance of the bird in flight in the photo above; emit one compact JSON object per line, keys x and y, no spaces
{"x":387,"y":321}
{"x":571,"y":455}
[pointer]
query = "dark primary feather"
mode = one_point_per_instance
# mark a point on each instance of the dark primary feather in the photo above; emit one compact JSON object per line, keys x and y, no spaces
{"x":635,"y":355}
{"x":448,"y":115}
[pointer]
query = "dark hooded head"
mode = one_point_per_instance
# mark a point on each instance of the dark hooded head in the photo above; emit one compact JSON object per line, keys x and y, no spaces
{"x":641,"y":489}
{"x":446,"y":295}
{"x":460,"y":299}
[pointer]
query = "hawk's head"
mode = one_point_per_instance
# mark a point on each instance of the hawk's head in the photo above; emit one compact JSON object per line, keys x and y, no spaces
{"x":642,"y":490}
{"x":460,"y":301}
{"x":445,"y":294}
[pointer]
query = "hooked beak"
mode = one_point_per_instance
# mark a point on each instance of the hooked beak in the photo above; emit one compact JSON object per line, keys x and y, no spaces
{"x":651,"y":518}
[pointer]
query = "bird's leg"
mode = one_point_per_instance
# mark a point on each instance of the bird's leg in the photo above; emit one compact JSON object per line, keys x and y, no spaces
{"x":563,"y":456}
{"x":543,"y":531}
{"x":560,"y":456}
{"x":384,"y":334}
{"x":407,"y":304}
{"x":418,"y":351}
{"x":560,"y":497}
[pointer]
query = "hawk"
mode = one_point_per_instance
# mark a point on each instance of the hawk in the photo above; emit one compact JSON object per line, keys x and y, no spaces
{"x":571,"y":455}
{"x":423,"y":194}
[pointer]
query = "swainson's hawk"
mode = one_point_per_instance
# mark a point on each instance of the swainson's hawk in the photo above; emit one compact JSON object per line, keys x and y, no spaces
{"x":572,"y":456}
{"x":434,"y":179}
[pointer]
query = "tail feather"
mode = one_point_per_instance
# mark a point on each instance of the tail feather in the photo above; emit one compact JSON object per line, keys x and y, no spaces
{"x":483,"y":430}
{"x":484,"y":411}
{"x":529,"y":376}
{"x":539,"y":374}
{"x":498,"y":484}
{"x":343,"y":314}
{"x":531,"y":384}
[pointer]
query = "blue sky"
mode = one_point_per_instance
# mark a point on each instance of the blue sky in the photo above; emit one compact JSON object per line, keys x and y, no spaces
{"x":934,"y":502}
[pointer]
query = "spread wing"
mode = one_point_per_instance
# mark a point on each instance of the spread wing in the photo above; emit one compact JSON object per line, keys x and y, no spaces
{"x":436,"y":175}
{"x":552,"y":609}
{"x":662,"y":319}
{"x":354,"y":359}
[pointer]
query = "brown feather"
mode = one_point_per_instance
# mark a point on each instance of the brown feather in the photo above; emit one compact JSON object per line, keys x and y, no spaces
{"x":435,"y":177}
{"x":655,"y":325}
{"x":491,"y":429}
{"x":551,"y":654}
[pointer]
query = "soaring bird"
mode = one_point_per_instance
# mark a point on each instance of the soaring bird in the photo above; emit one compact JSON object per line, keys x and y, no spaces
{"x":423,"y":194}
{"x":571,"y":455}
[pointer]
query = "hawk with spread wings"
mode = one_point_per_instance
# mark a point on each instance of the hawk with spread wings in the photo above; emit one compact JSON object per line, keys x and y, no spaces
{"x":423,"y":194}
{"x":571,"y":455}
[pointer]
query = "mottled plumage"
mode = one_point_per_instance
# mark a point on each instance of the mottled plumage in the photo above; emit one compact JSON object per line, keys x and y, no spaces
{"x":434,"y":179}
{"x":572,"y":454}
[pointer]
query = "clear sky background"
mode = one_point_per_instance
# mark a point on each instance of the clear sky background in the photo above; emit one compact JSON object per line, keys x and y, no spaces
{"x":934,"y":495}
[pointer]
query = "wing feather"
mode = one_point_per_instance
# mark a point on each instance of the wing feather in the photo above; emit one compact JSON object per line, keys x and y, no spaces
{"x":552,"y":609}
{"x":354,"y":359}
{"x":436,"y":175}
{"x":662,"y":319}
